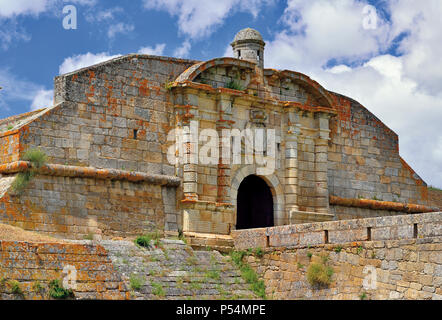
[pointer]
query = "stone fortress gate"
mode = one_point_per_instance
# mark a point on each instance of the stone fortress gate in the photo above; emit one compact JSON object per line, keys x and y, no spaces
{"x":123,"y":158}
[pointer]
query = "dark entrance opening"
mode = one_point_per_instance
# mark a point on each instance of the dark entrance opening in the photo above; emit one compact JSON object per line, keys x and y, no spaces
{"x":254,"y":204}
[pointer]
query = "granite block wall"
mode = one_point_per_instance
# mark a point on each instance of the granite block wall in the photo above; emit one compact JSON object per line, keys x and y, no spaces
{"x":78,"y":207}
{"x":364,"y":159}
{"x":9,"y":146}
{"x":397,"y":257}
{"x":34,"y":265}
{"x":435,"y":197}
{"x":115,"y":115}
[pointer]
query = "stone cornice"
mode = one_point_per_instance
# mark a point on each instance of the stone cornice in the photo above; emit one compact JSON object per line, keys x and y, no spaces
{"x":381,"y":205}
{"x":254,"y":99}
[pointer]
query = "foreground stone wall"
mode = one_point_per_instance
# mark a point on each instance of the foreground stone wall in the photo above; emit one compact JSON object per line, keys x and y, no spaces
{"x":34,"y":265}
{"x":403,"y":269}
{"x":379,"y":258}
{"x":113,"y":270}
{"x":79,"y":207}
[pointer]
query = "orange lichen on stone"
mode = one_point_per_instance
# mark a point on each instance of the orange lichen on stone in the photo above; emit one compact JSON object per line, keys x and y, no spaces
{"x":380,"y":205}
{"x":95,"y":277}
{"x":89,"y":172}
{"x":144,"y":88}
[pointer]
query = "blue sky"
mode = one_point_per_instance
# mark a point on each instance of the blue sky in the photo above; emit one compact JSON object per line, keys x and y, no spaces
{"x":392,"y":66}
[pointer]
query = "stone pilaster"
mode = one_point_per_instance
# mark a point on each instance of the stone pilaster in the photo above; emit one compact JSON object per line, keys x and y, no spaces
{"x":224,"y":123}
{"x":321,"y":163}
{"x":291,"y":164}
{"x":188,"y":120}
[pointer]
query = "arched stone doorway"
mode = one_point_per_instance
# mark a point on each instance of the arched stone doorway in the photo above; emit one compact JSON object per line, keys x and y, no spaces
{"x":254,"y":204}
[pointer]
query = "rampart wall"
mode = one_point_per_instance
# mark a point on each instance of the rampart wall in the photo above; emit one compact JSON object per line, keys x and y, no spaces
{"x":396,"y":257}
{"x":32,"y":266}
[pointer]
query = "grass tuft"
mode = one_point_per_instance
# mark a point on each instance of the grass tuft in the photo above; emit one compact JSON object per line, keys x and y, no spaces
{"x":248,"y":274}
{"x":38,"y":158}
{"x":319,"y":274}
{"x":145,"y":240}
{"x":136,"y":282}
{"x":258,"y":252}
{"x":213,"y":274}
{"x":338,"y":249}
{"x":57,"y":291}
{"x":157,"y":289}
{"x":15,"y":287}
{"x":234,"y":85}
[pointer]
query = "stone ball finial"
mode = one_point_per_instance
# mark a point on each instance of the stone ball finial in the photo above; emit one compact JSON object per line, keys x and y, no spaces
{"x":248,"y":44}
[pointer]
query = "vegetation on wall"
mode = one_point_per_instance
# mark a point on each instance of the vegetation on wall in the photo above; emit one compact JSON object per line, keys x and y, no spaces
{"x":157,"y":289}
{"x":136,"y":282}
{"x":146,"y":239}
{"x":57,"y":291}
{"x":15,"y":287}
{"x":168,"y":85}
{"x":235,"y":85}
{"x":37,"y":158}
{"x":319,"y":274}
{"x":248,"y":274}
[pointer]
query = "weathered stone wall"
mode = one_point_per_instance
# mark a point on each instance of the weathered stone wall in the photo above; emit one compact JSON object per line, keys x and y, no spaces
{"x":115,"y":115}
{"x":9,"y":146}
{"x":172,"y":270}
{"x":345,"y":213}
{"x":435,"y":197}
{"x":78,"y":207}
{"x":364,"y":160}
{"x":403,"y":269}
{"x":34,"y":265}
{"x":353,"y":155}
{"x":169,"y":269}
{"x":403,"y":254}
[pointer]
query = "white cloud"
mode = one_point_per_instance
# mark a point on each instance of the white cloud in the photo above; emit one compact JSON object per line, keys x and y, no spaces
{"x":109,"y":19}
{"x":103,"y":15}
{"x":11,"y":32}
{"x":228,"y":52}
{"x":422,"y":49}
{"x":13,"y":8}
{"x":339,"y":69}
{"x":318,"y":31}
{"x":405,"y":92}
{"x":183,"y":50}
{"x":84,"y":60}
{"x":15,"y":89}
{"x":10,"y":8}
{"x":43,"y":99}
{"x":198,"y":18}
{"x":156,"y":51}
{"x":80,"y":61}
{"x":120,"y":27}
{"x":381,"y":86}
